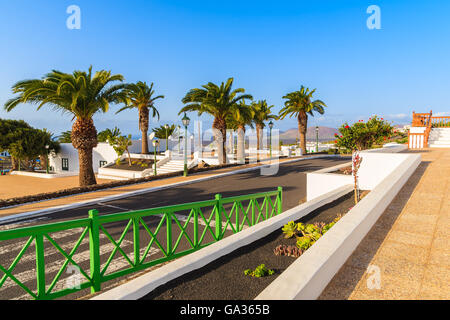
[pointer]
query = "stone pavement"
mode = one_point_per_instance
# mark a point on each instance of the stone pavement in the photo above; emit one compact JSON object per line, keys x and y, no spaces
{"x":406,"y":255}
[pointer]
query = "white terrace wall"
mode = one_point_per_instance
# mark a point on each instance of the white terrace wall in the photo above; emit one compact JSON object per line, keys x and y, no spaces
{"x":375,"y":166}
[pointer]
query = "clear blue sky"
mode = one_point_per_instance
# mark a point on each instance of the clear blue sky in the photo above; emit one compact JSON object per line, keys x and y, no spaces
{"x":269,"y":47}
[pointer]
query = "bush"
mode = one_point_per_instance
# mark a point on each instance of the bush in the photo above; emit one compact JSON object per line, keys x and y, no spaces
{"x":363,"y":135}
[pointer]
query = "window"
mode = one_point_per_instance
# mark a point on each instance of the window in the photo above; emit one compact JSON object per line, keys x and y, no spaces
{"x":65,"y":164}
{"x":103,"y":163}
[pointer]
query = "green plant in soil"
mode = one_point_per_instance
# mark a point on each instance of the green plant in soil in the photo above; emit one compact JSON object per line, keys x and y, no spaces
{"x":306,"y":235}
{"x":260,"y":271}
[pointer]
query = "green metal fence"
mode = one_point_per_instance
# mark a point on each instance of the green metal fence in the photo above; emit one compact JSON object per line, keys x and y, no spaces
{"x":233,"y":214}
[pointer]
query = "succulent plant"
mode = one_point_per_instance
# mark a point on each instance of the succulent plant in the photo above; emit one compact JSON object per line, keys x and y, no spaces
{"x":290,"y":251}
{"x":260,"y":271}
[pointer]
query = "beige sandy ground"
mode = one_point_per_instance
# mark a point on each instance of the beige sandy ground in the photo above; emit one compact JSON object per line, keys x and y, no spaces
{"x":409,"y":245}
{"x":22,"y":185}
{"x":12,"y":186}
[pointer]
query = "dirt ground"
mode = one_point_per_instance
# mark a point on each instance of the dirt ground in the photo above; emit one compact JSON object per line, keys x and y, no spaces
{"x":12,"y":186}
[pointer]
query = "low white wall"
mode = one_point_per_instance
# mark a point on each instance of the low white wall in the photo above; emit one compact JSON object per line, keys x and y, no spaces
{"x":43,"y":175}
{"x":309,"y":275}
{"x":144,"y":284}
{"x":375,"y":166}
{"x":321,"y":181}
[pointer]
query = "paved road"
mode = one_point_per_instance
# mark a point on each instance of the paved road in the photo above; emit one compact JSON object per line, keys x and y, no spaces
{"x":291,"y":177}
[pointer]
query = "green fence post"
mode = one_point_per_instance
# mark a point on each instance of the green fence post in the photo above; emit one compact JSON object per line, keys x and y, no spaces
{"x":40,"y":266}
{"x":94,"y":250}
{"x":169,"y":233}
{"x":252,"y":201}
{"x":136,"y":241}
{"x":196,"y":227}
{"x":218,"y":216}
{"x":280,"y":200}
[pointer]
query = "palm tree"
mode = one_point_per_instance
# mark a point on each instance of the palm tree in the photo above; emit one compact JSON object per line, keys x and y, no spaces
{"x":261,"y":113}
{"x":300,"y":104}
{"x":140,"y":96}
{"x":162,"y":132}
{"x":108,"y":134}
{"x":241,"y":116}
{"x":219,"y":102}
{"x":81,"y":94}
{"x":65,"y":137}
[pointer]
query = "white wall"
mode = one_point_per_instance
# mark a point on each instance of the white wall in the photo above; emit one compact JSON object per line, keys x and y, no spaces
{"x":375,"y":166}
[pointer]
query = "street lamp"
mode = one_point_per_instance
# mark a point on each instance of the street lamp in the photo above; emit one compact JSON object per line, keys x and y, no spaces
{"x":185,"y":121}
{"x":155,"y":144}
{"x":166,"y":126}
{"x":270,"y":139}
{"x":317,"y":139}
{"x":46,"y":148}
{"x":179,"y":139}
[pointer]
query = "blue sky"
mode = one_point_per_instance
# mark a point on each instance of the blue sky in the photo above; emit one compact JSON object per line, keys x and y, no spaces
{"x":269,"y":47}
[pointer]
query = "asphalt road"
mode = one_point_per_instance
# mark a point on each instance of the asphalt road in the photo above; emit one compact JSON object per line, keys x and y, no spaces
{"x":291,"y":176}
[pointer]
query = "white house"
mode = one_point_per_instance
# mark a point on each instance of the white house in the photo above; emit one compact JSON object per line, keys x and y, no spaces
{"x":66,"y":161}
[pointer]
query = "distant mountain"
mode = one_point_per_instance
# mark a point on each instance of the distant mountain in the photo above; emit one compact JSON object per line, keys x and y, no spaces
{"x":325,"y":134}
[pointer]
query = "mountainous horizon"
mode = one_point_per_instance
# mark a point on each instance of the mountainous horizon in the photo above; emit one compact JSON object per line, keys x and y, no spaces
{"x":325,"y":133}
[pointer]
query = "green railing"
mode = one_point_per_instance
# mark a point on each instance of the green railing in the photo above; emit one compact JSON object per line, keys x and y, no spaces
{"x":226,"y":214}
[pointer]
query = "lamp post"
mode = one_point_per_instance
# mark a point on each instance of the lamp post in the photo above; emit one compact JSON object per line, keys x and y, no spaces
{"x":270,"y":137}
{"x":166,"y":126}
{"x":317,"y":139}
{"x":179,"y":138}
{"x":185,"y":121}
{"x":46,"y":162}
{"x":155,"y":144}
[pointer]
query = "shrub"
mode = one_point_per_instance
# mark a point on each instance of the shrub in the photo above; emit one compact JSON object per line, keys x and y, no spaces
{"x":363,"y":135}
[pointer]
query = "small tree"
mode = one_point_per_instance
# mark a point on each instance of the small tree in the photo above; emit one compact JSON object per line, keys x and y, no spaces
{"x":356,"y":161}
{"x":120,"y":145}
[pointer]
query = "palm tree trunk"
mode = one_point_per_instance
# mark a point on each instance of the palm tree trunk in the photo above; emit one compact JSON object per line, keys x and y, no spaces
{"x":220,"y":135}
{"x":143,"y":126}
{"x":84,"y":139}
{"x":302,"y":128}
{"x":241,"y":145}
{"x":258,"y":139}
{"x":86,"y":176}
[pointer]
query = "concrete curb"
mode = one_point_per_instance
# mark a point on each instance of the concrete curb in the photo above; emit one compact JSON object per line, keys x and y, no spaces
{"x":42,"y":212}
{"x":309,"y":275}
{"x":142,"y":285}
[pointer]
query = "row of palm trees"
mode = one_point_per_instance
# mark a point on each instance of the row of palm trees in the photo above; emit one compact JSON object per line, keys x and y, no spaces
{"x":84,"y":94}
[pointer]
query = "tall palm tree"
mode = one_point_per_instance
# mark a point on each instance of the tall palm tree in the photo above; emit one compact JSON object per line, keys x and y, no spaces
{"x":164,"y":133}
{"x":81,"y":94}
{"x":219,"y":102}
{"x":241,"y":116}
{"x":140,"y":96}
{"x":261,"y":113}
{"x":300,"y":104}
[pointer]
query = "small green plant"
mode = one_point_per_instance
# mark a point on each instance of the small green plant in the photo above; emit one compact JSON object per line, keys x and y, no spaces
{"x":306,"y":235}
{"x":260,"y":271}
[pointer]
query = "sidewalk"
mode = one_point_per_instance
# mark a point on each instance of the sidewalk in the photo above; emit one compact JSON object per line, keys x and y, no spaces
{"x":24,"y":208}
{"x":407,"y":251}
